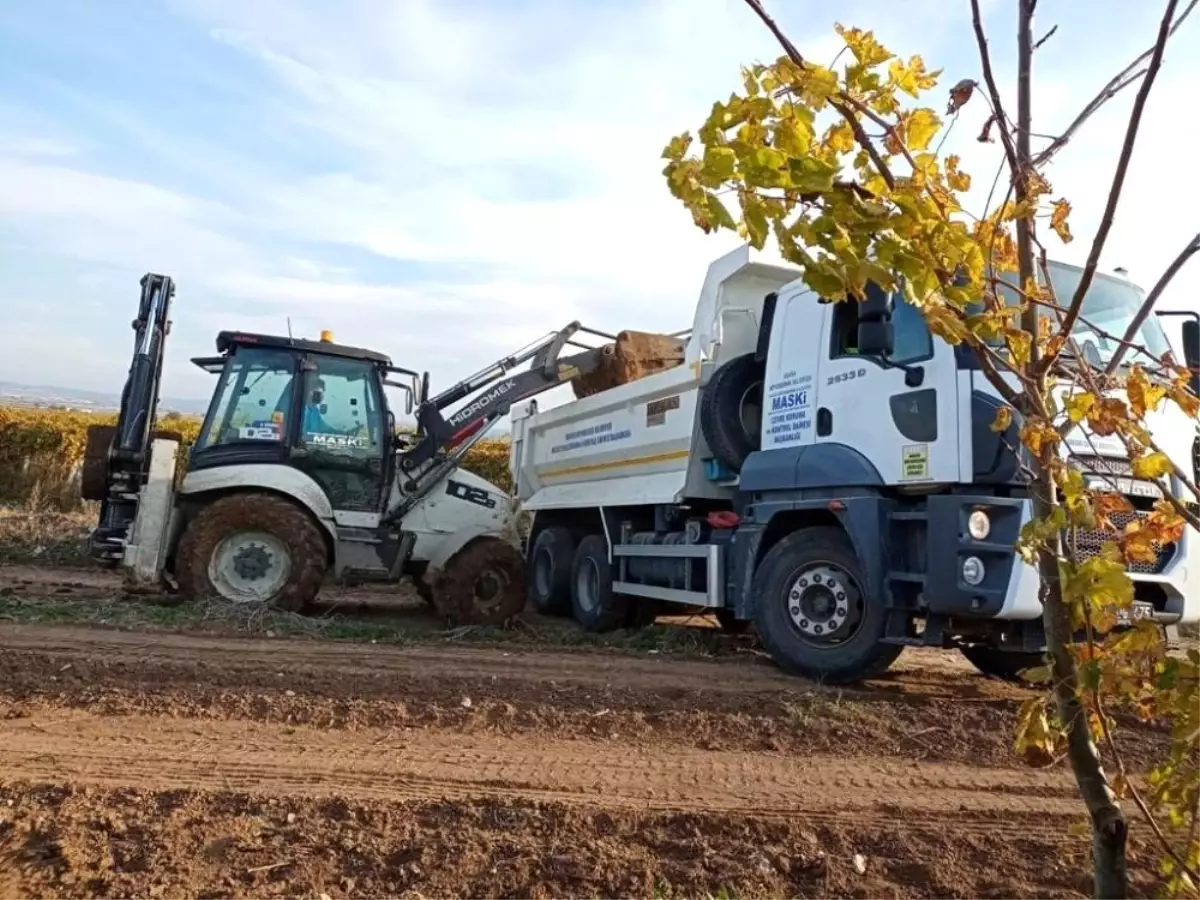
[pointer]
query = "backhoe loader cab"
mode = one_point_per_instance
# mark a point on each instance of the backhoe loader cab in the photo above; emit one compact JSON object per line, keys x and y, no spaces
{"x":297,"y":473}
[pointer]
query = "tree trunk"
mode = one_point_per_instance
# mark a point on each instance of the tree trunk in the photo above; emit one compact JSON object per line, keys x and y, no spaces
{"x":1110,"y":879}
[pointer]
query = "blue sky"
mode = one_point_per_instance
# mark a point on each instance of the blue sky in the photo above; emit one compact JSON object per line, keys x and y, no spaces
{"x":445,"y":180}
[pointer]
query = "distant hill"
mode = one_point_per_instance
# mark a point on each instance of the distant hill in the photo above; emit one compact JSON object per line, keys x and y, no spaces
{"x":37,"y":395}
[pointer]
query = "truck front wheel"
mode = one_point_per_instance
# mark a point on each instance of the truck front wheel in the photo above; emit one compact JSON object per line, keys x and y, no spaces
{"x":812,"y":613}
{"x":253,"y":548}
{"x":595,"y":606}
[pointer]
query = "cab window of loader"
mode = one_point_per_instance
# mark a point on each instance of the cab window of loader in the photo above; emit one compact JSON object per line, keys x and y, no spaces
{"x":252,"y":401}
{"x":913,"y":340}
{"x":342,"y":407}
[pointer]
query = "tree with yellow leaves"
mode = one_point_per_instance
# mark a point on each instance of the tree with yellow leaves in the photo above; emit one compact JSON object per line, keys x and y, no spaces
{"x":840,"y":166}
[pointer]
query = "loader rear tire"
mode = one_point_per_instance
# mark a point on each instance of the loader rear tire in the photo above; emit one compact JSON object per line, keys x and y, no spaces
{"x":731,"y":409}
{"x":595,"y":606}
{"x":93,"y":477}
{"x":549,"y":566}
{"x":253,"y":548}
{"x":481,"y":584}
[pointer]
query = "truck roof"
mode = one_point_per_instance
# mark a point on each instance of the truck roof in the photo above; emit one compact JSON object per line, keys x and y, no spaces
{"x":227,"y":340}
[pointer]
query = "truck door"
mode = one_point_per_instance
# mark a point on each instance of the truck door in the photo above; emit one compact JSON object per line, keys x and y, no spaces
{"x":902,"y":414}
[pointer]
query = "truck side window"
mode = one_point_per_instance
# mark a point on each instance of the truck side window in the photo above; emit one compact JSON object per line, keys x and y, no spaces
{"x":913,"y":340}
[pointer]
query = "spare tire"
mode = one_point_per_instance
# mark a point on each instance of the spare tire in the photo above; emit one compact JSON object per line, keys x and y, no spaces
{"x":731,"y":408}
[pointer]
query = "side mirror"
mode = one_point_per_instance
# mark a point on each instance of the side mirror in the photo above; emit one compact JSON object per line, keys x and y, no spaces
{"x":876,"y":338}
{"x":408,"y":403}
{"x":1191,"y":351}
{"x":424,"y":387}
{"x":876,"y":306}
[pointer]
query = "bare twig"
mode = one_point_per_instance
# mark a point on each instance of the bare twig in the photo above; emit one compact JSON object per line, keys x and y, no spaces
{"x":1118,"y":182}
{"x":1185,"y":254}
{"x":1045,"y":37}
{"x":989,"y":77}
{"x":1116,"y":84}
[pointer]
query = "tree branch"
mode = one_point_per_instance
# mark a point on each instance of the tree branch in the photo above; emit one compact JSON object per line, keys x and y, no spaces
{"x":1118,"y":182}
{"x":1116,"y":84}
{"x":1187,"y":253}
{"x":989,"y":77}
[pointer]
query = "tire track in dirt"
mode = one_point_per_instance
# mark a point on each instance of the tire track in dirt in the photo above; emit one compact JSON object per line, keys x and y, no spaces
{"x":386,"y":765}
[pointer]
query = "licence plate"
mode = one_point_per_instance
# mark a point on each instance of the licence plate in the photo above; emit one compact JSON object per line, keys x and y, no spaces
{"x":1134,"y":613}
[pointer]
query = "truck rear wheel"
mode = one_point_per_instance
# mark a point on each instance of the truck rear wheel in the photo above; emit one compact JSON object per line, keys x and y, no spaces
{"x":812,"y":612}
{"x":253,"y":548}
{"x":550,"y":558}
{"x":731,"y":410}
{"x":595,"y":606}
{"x":1003,"y":664}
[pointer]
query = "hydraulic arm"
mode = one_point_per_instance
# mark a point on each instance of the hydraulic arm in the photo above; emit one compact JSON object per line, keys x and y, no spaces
{"x":128,"y":455}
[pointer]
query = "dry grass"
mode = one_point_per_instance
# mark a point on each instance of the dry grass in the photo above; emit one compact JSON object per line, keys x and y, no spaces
{"x":35,"y":533}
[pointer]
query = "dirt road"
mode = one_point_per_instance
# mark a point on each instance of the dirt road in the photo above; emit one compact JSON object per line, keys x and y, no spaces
{"x":184,"y":765}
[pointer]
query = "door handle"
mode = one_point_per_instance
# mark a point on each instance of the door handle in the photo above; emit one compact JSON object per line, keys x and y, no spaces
{"x":824,"y":422}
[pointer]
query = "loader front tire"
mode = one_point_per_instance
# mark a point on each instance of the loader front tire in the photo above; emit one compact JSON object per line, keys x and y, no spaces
{"x":253,"y":548}
{"x":481,"y":584}
{"x":550,"y":558}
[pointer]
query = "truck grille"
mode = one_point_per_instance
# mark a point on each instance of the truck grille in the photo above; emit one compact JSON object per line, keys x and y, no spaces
{"x":1087,"y":543}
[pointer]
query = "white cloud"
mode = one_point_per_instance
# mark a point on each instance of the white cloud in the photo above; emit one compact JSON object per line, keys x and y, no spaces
{"x":470,"y":177}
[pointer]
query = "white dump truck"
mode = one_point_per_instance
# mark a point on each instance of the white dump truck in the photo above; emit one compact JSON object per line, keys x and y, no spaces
{"x":827,"y":471}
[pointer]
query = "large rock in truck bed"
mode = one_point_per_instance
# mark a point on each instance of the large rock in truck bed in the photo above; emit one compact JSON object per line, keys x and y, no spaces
{"x":634,"y":355}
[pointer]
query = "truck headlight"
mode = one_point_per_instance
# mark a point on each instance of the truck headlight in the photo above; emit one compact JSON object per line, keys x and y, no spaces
{"x":979,"y":524}
{"x":973,"y":571}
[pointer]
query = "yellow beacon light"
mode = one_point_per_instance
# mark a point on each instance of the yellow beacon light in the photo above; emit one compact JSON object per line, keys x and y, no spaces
{"x":326,"y":336}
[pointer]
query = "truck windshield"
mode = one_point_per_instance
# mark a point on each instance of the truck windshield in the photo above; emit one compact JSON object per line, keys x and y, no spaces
{"x":1108,"y":309}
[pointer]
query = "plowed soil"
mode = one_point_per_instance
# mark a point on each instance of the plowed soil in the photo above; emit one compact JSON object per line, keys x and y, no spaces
{"x":173,"y":765}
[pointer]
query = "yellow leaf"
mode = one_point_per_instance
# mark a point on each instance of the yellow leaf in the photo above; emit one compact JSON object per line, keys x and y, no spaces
{"x":1003,"y":418}
{"x":1058,"y":220}
{"x":912,"y":78}
{"x":840,"y":137}
{"x":677,"y":147}
{"x":917,"y":128}
{"x":866,"y":49}
{"x":1020,"y":344}
{"x":1079,"y":405}
{"x":1144,"y":395}
{"x":959,"y":181}
{"x":794,"y":132}
{"x":1153,"y":465}
{"x":1038,"y":675}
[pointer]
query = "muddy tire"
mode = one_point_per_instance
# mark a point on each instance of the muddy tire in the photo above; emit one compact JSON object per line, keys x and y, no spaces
{"x":481,"y":584}
{"x":594,"y":605}
{"x":1006,"y":665}
{"x":812,"y":612}
{"x":424,"y":591}
{"x":253,"y":548}
{"x":731,"y":407}
{"x":93,"y":477}
{"x":550,"y":557}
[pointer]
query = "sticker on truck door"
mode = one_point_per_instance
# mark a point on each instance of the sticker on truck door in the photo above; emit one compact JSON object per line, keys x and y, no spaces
{"x":788,"y":414}
{"x":914,"y":462}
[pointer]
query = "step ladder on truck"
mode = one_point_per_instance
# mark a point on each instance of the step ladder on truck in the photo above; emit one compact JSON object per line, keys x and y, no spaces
{"x":827,"y":471}
{"x":298,"y":472}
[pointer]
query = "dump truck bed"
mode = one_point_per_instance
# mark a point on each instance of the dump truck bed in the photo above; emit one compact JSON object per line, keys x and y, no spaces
{"x":641,"y":442}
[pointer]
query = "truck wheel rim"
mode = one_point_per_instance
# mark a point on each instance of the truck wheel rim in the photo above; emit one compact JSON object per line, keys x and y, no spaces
{"x":750,"y":410}
{"x":249,"y":567}
{"x":824,"y":604}
{"x":487,"y":591}
{"x":587,"y":584}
